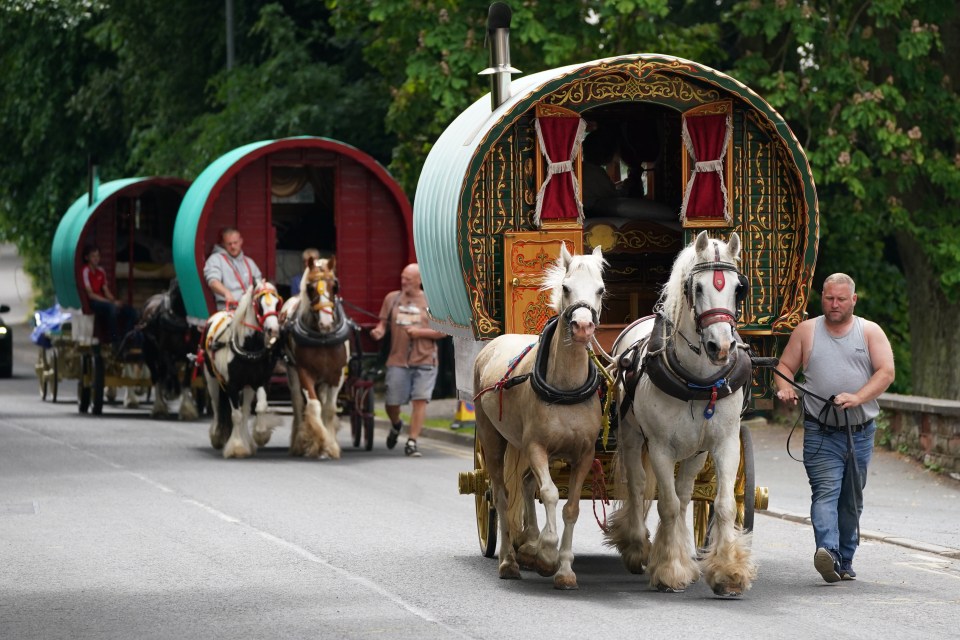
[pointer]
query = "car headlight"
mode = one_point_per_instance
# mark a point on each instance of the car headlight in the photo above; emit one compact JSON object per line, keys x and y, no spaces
{"x":3,"y":331}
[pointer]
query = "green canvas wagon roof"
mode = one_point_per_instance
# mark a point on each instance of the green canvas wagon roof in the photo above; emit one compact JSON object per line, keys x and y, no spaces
{"x":443,"y":197}
{"x":65,"y":251}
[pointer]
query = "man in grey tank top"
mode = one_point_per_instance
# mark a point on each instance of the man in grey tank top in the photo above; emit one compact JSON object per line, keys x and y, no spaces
{"x":848,"y":361}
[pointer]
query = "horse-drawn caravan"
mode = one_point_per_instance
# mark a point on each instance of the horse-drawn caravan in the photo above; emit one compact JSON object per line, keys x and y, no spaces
{"x":131,"y":222}
{"x":531,"y":172}
{"x":285,"y":196}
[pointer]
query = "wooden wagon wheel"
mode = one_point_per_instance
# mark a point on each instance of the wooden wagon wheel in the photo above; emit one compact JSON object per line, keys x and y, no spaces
{"x":41,"y":369}
{"x":54,"y":378}
{"x":744,"y":491}
{"x":84,"y":382}
{"x":483,"y":498}
{"x":98,"y":376}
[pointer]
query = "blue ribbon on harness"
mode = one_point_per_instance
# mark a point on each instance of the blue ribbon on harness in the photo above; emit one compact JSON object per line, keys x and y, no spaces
{"x":711,"y":407}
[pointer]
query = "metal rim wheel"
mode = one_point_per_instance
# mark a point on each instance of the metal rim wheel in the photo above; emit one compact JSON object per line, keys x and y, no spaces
{"x":356,"y":425}
{"x":41,"y":369}
{"x":747,"y":475}
{"x":368,"y":420}
{"x":55,"y":379}
{"x":702,"y":515}
{"x":486,"y":512}
{"x":98,"y":380}
{"x":83,"y":385}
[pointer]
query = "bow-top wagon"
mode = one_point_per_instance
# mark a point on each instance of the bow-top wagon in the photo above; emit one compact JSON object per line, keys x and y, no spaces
{"x":285,"y":196}
{"x":515,"y":176}
{"x":131,"y":222}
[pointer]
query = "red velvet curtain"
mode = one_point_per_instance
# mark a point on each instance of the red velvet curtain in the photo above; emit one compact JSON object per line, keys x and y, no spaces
{"x":559,"y":139}
{"x":707,"y":139}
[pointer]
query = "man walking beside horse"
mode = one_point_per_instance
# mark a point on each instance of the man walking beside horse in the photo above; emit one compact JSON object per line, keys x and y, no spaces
{"x":847,"y":363}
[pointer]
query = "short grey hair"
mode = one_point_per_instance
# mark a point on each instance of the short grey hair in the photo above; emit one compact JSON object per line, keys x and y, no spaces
{"x":841,"y":278}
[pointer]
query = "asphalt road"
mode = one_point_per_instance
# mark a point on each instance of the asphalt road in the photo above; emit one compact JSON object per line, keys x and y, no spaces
{"x":119,"y":526}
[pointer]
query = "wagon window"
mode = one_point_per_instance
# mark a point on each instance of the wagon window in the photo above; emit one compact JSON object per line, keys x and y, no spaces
{"x":707,"y":166}
{"x":559,"y":134}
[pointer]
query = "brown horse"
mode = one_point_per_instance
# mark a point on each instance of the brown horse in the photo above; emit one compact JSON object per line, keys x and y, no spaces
{"x":316,"y":348}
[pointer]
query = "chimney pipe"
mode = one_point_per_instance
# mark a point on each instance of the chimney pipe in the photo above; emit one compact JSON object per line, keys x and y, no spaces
{"x":498,"y":39}
{"x":93,"y":179}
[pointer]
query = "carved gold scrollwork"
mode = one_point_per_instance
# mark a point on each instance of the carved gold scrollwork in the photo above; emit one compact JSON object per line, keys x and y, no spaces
{"x":537,"y":313}
{"x":616,"y":85}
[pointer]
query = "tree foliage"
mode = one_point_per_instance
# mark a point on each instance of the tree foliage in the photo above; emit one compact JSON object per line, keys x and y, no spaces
{"x":868,"y":87}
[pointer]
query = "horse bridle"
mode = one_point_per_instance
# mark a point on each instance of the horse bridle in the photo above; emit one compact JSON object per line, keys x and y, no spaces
{"x":262,"y":316}
{"x":717,"y":314}
{"x":568,"y":312}
{"x":325,"y":303}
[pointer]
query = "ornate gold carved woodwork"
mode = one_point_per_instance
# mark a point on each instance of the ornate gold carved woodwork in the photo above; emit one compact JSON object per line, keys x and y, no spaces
{"x":634,"y":238}
{"x":769,"y":210}
{"x":637,"y":81}
{"x":527,"y":255}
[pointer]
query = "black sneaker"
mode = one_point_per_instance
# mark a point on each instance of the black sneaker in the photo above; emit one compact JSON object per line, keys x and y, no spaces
{"x":411,"y":449}
{"x":847,"y":572}
{"x":827,"y":564}
{"x":394,"y":435}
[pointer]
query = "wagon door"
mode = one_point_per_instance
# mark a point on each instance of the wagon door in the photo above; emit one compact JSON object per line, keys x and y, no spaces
{"x":528,"y":254}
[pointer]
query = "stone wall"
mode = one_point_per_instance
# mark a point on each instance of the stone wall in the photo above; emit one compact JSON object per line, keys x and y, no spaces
{"x":925,"y":428}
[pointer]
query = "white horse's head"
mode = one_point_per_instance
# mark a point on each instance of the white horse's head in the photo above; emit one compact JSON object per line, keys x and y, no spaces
{"x":318,"y":287}
{"x":703,"y":289}
{"x":576,"y":285}
{"x":265,"y":303}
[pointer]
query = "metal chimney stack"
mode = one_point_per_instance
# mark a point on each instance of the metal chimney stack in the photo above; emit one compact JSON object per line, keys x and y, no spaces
{"x":498,"y":39}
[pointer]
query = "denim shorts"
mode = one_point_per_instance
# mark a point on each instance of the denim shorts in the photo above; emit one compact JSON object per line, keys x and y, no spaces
{"x":410,"y":383}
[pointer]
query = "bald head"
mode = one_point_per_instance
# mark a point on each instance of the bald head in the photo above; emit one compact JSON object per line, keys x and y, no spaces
{"x":410,"y":278}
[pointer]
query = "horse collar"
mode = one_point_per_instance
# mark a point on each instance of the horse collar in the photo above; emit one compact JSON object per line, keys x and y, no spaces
{"x":307,"y":337}
{"x":538,"y":379}
{"x":670,"y":376}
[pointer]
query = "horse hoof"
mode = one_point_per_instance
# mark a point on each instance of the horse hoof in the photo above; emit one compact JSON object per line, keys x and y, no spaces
{"x":565,"y":582}
{"x":509,"y":572}
{"x":722,"y":592}
{"x":663,"y":588}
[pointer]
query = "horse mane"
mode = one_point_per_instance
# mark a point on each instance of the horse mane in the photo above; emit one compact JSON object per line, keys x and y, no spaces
{"x":243,"y":305}
{"x":672,"y":299}
{"x":554,"y":275}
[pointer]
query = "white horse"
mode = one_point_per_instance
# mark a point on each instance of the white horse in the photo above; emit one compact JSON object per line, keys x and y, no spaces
{"x":538,"y":404}
{"x":316,"y":332}
{"x":692,"y":372}
{"x":239,"y":356}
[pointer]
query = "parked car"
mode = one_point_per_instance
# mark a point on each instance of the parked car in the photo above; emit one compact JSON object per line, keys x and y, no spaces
{"x":6,"y":346}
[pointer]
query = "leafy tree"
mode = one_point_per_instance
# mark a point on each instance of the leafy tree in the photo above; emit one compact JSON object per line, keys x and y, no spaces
{"x":141,"y":85}
{"x":45,"y":59}
{"x":430,"y":51}
{"x":868,"y":88}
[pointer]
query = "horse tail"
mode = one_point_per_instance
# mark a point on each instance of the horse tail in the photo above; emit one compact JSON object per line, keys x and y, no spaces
{"x":515,"y":467}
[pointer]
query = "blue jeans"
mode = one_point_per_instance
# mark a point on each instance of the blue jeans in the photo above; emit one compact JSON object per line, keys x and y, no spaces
{"x":837,"y":501}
